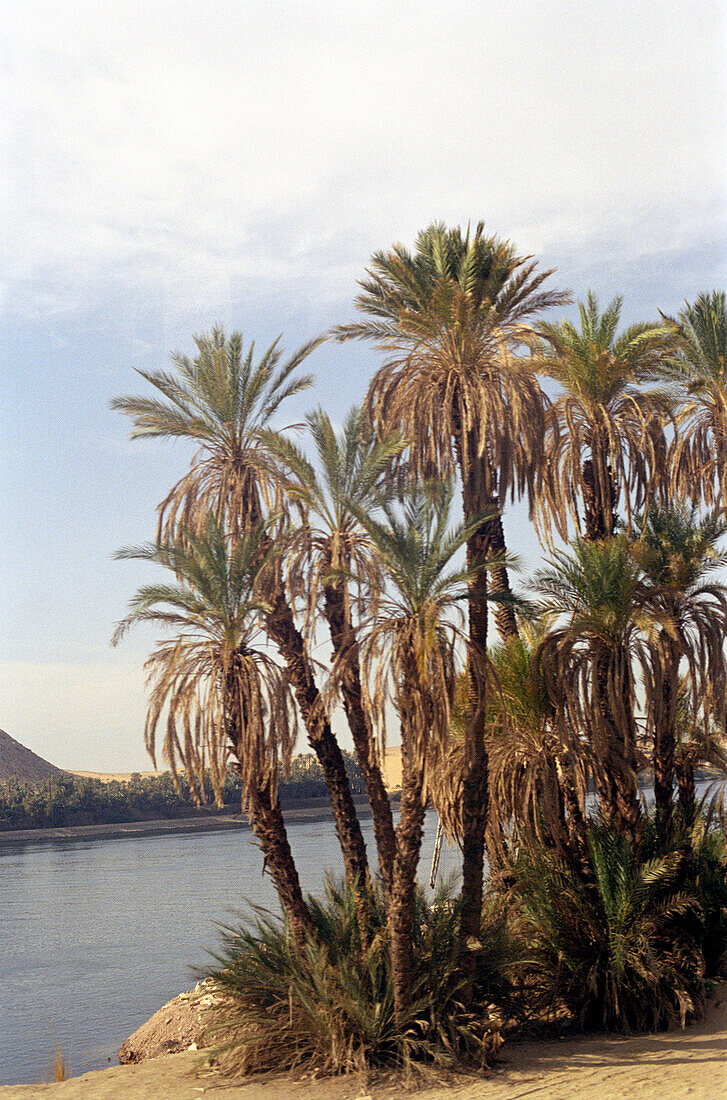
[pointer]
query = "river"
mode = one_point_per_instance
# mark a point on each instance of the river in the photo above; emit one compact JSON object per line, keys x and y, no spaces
{"x":98,"y":934}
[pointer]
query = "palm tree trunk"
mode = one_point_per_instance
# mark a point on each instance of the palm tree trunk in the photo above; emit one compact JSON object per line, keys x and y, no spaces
{"x":503,"y":613}
{"x":269,"y":828}
{"x":599,"y":494}
{"x":614,"y":743}
{"x":403,"y":891}
{"x":345,"y":649}
{"x":475,"y":499}
{"x":267,"y":817}
{"x":282,"y":629}
{"x":686,"y":788}
{"x":627,"y":782}
{"x":575,"y":822}
{"x":665,"y":735}
{"x":475,"y":775}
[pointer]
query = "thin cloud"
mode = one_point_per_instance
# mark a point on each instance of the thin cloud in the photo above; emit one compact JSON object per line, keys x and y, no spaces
{"x":148,"y":148}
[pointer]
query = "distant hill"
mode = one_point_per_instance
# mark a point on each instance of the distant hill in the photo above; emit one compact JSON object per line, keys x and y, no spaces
{"x":20,"y":763}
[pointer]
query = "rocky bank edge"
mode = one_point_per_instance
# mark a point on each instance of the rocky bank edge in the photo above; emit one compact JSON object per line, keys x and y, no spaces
{"x":179,"y":1025}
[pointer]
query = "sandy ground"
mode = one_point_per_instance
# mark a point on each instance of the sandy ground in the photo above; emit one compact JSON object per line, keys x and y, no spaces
{"x":669,"y":1066}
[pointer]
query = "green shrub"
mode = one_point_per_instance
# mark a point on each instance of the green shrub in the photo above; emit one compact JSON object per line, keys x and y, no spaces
{"x":706,"y":873}
{"x":702,"y":869}
{"x":619,"y":944}
{"x":330,"y":1007}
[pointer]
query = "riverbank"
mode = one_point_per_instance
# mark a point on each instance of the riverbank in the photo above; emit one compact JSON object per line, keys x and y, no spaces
{"x":688,"y":1063}
{"x":296,"y":811}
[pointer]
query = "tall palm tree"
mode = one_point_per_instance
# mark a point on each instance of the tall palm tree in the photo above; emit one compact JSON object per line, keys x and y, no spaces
{"x":592,"y":656}
{"x":225,"y":400}
{"x":448,"y":318}
{"x":324,"y":552}
{"x":214,"y":691}
{"x":409,"y":656}
{"x":699,"y":367}
{"x":606,"y":444}
{"x":677,"y":552}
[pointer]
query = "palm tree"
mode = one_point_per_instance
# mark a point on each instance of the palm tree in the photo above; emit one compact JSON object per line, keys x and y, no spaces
{"x":606,"y":442}
{"x":409,"y":656}
{"x":677,"y":551}
{"x":222,"y":400}
{"x":448,"y":318}
{"x":591,"y":657}
{"x":538,"y":767}
{"x":213,"y":691}
{"x":699,"y":740}
{"x":225,"y":401}
{"x":699,"y":367}
{"x":323,"y":553}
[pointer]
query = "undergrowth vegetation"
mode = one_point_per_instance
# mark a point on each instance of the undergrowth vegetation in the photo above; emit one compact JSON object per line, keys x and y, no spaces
{"x":619,"y":941}
{"x":329,"y":1006}
{"x":629,"y":937}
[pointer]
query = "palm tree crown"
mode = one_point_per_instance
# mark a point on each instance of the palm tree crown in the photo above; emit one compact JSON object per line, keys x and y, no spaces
{"x":702,"y":357}
{"x":213,"y":661}
{"x":355,"y":467}
{"x":606,"y":441}
{"x":591,"y":656}
{"x":448,"y":317}
{"x":698,"y":367}
{"x":678,"y":553}
{"x":224,"y":400}
{"x":411,"y":635}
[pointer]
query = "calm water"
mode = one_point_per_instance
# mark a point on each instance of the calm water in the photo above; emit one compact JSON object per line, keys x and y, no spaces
{"x":98,"y":934}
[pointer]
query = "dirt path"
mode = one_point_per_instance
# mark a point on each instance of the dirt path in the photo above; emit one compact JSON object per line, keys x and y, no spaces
{"x":649,"y":1067}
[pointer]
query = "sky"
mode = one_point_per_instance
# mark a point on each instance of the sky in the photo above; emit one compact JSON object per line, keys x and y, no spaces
{"x":166,"y":166}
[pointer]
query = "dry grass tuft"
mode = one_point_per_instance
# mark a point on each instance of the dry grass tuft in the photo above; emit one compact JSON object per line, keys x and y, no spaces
{"x":60,"y":1069}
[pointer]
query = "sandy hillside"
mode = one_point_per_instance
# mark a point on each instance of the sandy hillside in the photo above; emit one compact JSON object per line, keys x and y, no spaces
{"x":666,"y":1066}
{"x":121,"y":777}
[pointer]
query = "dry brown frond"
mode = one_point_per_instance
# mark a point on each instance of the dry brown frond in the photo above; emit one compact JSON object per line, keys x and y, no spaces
{"x":234,"y":487}
{"x":600,"y":456}
{"x":698,"y":453}
{"x":486,"y":409}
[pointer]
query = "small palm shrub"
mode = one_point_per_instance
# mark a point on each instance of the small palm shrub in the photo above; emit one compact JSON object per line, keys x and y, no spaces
{"x":706,"y":873}
{"x":702,"y":843}
{"x":618,"y":943}
{"x":329,"y":1007}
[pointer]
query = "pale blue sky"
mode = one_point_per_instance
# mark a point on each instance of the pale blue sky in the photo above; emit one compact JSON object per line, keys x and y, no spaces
{"x":168,"y":165}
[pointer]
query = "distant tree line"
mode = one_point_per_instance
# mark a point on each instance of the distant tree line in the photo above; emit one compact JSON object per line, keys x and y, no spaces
{"x":70,"y":800}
